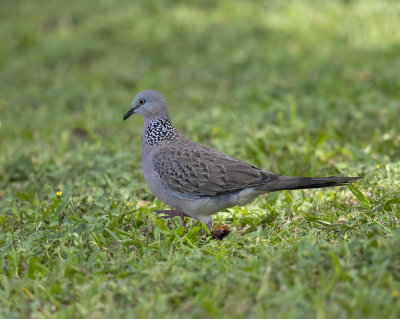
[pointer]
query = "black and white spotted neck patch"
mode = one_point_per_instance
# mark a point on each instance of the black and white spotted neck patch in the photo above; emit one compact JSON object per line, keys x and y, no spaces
{"x":158,"y":130}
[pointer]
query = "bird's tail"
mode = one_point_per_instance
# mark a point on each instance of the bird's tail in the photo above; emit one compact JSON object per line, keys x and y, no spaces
{"x":287,"y":183}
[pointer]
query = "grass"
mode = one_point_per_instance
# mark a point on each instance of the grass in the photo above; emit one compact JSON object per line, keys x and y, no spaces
{"x":301,"y":88}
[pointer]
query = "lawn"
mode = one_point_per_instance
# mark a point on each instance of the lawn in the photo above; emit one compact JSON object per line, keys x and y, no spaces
{"x":301,"y":87}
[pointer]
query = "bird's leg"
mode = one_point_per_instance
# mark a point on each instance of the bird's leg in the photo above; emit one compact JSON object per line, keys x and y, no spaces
{"x":207,"y":220}
{"x":173,"y":213}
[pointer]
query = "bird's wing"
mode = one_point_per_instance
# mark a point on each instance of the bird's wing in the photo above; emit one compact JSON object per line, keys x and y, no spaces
{"x":190,"y":170}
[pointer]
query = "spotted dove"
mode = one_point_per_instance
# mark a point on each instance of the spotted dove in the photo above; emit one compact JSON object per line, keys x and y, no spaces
{"x":197,"y":180}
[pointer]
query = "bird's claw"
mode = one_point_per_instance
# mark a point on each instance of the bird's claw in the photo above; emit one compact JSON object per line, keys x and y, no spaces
{"x":171,"y":214}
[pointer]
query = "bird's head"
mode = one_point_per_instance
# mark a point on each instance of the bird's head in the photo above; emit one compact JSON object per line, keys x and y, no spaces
{"x":149,"y":104}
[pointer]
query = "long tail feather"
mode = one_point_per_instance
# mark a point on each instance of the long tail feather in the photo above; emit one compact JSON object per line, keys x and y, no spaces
{"x":286,"y":182}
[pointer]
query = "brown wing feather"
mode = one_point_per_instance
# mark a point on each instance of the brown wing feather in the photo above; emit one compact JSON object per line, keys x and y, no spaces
{"x":190,"y":170}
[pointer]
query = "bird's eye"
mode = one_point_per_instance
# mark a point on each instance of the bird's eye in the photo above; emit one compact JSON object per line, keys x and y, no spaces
{"x":141,"y":101}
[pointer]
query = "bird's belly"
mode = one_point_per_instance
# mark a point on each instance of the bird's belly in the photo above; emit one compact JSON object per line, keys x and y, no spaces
{"x":210,"y":205}
{"x":156,"y":186}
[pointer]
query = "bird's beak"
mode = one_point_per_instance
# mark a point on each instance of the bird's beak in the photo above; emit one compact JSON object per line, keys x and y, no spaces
{"x":130,"y":112}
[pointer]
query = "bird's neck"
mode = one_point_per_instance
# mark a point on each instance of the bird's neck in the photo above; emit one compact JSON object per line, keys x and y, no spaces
{"x":158,"y":130}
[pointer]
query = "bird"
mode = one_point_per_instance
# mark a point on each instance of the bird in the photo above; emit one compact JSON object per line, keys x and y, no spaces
{"x":196,"y":180}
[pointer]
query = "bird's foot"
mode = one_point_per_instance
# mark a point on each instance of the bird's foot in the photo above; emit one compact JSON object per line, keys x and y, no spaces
{"x":173,"y":213}
{"x":177,"y":213}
